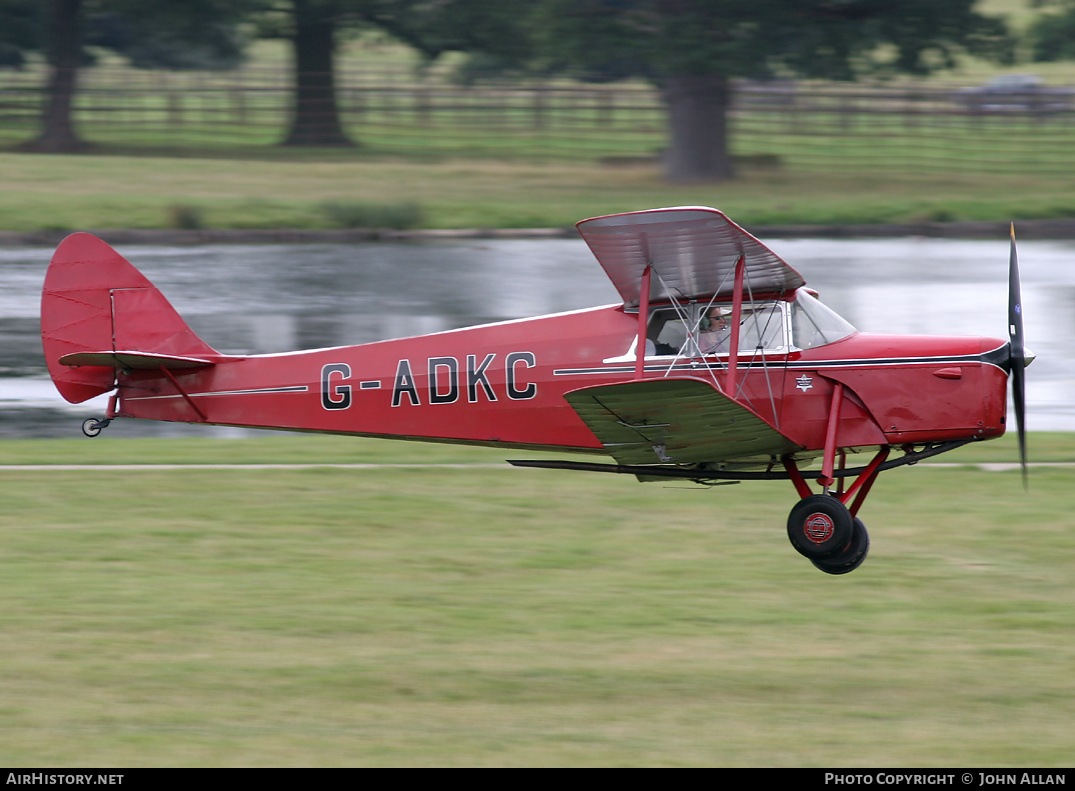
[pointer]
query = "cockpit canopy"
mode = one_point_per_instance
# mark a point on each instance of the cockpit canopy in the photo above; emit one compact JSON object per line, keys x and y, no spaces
{"x":767,"y":327}
{"x":814,"y":323}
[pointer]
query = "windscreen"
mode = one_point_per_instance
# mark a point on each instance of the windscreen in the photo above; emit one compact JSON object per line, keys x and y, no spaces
{"x":813,"y":324}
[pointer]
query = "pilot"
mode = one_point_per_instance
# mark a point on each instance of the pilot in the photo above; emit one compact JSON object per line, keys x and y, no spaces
{"x":715,"y":333}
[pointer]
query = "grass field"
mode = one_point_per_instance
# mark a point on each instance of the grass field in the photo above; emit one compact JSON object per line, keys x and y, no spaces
{"x":100,"y":192}
{"x":485,"y":615}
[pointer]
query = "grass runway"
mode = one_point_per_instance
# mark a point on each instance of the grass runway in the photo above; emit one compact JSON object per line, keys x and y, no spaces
{"x":494,"y":616}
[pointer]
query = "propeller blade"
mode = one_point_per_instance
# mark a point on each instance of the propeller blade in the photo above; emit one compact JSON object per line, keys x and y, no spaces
{"x":1017,"y":352}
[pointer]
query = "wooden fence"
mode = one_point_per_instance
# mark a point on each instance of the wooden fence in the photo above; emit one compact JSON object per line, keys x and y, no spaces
{"x":795,"y":126}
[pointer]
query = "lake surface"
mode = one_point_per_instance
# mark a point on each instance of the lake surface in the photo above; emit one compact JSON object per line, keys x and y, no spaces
{"x":267,"y":298}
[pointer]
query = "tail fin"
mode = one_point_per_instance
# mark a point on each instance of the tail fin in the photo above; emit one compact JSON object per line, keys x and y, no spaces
{"x":99,"y":313}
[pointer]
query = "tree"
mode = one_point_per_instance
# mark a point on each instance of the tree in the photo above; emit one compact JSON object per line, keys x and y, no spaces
{"x":431,"y":27}
{"x":1052,"y":35}
{"x":155,"y":33}
{"x":64,"y":53}
{"x":692,"y":49}
{"x":205,"y":34}
{"x":316,"y":119}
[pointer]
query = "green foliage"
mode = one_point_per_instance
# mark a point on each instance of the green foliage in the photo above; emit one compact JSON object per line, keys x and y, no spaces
{"x":202,"y":34}
{"x":359,"y":214}
{"x":497,"y":28}
{"x":1052,"y":34}
{"x":195,"y":34}
{"x":22,"y":25}
{"x":185,"y":217}
{"x":818,"y":38}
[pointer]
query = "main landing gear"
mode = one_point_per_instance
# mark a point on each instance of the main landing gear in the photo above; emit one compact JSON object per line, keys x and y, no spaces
{"x":822,"y":527}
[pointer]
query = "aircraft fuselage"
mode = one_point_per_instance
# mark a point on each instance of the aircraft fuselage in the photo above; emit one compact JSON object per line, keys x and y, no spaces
{"x":503,"y":385}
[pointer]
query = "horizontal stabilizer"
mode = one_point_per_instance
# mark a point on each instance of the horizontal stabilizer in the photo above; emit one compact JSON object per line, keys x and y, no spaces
{"x":133,"y":360}
{"x":675,"y":421}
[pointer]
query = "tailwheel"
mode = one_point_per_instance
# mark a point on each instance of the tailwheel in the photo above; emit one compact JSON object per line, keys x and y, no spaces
{"x":91,"y":427}
{"x":820,"y":527}
{"x":851,"y":556}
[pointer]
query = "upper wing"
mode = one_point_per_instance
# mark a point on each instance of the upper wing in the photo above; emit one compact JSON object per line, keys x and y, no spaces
{"x":693,"y":249}
{"x":675,"y":421}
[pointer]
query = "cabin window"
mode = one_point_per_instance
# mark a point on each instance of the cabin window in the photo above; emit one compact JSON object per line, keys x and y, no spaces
{"x":814,"y":324}
{"x":762,"y":329}
{"x":697,"y":331}
{"x":667,"y":333}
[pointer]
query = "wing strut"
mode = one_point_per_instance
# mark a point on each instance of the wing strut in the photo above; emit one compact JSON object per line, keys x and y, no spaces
{"x":643,"y":323}
{"x":737,"y":315}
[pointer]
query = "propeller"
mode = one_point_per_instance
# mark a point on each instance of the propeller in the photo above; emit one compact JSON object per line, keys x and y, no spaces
{"x":1018,"y":358}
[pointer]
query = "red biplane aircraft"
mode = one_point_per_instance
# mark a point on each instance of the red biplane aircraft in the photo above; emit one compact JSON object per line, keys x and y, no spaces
{"x":718,"y":366}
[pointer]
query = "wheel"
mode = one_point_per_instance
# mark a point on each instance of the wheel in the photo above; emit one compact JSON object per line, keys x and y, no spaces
{"x":819,"y":526}
{"x":849,"y":558}
{"x":92,"y":427}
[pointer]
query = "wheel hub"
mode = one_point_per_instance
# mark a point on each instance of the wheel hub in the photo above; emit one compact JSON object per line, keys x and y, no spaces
{"x":818,"y":528}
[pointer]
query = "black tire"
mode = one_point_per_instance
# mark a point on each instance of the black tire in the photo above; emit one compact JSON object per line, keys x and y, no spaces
{"x":820,"y":526}
{"x":851,"y":557}
{"x":91,"y":427}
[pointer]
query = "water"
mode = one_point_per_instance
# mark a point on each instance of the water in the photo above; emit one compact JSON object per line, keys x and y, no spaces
{"x":266,"y":298}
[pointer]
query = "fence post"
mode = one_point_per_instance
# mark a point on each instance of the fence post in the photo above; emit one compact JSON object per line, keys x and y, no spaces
{"x":606,"y":106}
{"x":539,"y":101}
{"x":175,"y":109}
{"x":238,"y":105}
{"x":422,"y":104}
